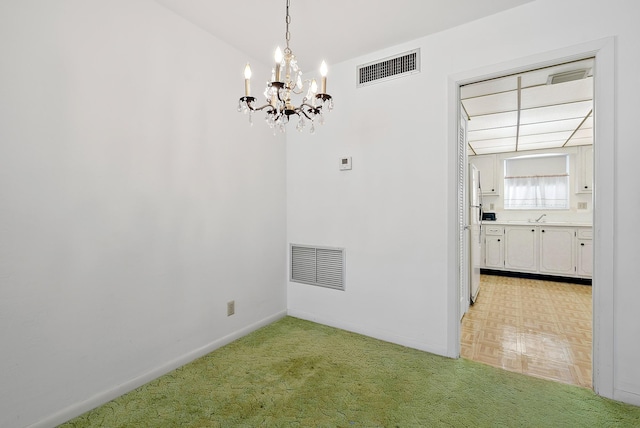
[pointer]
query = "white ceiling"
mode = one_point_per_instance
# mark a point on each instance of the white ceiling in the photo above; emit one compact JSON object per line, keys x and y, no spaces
{"x":544,"y":116}
{"x":338,"y":30}
{"x":334,"y":30}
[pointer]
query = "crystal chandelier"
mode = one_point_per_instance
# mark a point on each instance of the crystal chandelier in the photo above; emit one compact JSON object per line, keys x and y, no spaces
{"x":286,"y":81}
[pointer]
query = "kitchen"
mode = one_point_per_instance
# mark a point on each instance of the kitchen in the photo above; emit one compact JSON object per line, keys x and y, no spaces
{"x":530,"y":151}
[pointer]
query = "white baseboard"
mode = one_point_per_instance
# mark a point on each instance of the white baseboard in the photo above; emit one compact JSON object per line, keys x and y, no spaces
{"x":366,"y":331}
{"x":110,"y":394}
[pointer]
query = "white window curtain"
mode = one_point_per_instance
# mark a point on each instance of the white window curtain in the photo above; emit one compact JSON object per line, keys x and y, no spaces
{"x":536,"y":182}
{"x":537,"y":192}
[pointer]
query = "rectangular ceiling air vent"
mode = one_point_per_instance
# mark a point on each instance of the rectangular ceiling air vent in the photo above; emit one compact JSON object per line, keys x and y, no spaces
{"x":320,"y":266}
{"x":389,"y":68}
{"x":567,"y":76}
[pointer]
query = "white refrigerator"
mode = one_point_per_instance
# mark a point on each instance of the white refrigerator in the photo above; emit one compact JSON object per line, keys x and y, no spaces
{"x":475,"y":230}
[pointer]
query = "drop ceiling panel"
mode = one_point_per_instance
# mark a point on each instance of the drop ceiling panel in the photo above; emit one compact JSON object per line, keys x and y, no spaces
{"x":546,"y":127}
{"x":541,"y":145}
{"x":560,"y":137}
{"x":494,"y":103}
{"x":579,"y":141}
{"x":494,"y":86}
{"x":492,"y":150}
{"x":490,"y":134}
{"x":498,"y":142}
{"x":588,"y":123}
{"x":492,"y":121}
{"x":564,"y":93}
{"x":555,"y":112}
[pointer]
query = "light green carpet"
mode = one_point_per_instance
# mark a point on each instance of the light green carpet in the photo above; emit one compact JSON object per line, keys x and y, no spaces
{"x":295,"y":373}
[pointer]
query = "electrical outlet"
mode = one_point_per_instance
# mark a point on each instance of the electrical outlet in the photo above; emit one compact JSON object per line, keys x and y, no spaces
{"x":582,"y":205}
{"x":231,"y":308}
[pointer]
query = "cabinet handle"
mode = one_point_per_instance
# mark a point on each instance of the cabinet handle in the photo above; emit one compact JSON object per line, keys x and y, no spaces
{"x":499,"y":241}
{"x":493,"y":190}
{"x":533,"y":230}
{"x":586,"y":187}
{"x":542,"y":230}
{"x":582,"y":243}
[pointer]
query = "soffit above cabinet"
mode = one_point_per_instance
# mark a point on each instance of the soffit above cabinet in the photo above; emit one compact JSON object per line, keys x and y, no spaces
{"x":540,"y":109}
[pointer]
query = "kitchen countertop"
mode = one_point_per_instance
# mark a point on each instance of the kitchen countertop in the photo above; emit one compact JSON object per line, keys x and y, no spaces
{"x":533,"y":223}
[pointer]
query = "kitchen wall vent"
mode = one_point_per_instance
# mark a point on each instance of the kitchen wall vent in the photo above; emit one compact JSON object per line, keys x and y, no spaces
{"x":389,"y":68}
{"x":322,"y":266}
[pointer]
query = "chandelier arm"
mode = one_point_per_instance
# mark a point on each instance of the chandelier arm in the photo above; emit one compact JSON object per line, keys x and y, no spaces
{"x":258,"y":108}
{"x":264,"y":107}
{"x":301,"y":110}
{"x":318,"y":108}
{"x":315,"y":109}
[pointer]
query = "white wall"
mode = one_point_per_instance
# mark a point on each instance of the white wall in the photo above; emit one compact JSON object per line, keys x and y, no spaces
{"x":134,"y":202}
{"x":391,"y":212}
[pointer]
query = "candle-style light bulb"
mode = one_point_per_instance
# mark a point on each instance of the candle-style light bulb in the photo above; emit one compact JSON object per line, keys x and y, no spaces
{"x":247,"y":81}
{"x":278,"y":58}
{"x":323,"y":73}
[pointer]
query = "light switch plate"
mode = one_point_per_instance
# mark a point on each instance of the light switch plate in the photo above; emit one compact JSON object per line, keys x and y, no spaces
{"x":345,"y":163}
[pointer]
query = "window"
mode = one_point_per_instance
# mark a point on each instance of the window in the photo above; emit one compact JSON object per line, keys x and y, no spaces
{"x":537,"y":182}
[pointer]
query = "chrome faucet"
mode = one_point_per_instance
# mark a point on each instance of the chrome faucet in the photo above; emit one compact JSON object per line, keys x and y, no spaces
{"x":538,"y":219}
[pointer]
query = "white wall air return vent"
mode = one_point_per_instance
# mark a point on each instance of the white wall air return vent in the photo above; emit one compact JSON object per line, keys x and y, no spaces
{"x":317,"y":266}
{"x":389,"y":68}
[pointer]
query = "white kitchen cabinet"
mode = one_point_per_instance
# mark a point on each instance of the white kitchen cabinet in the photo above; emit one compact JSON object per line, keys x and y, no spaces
{"x":584,"y":252}
{"x":557,"y":250}
{"x":487,"y":165}
{"x":494,"y":247}
{"x":539,"y":248}
{"x":521,"y":248}
{"x":585,"y":169}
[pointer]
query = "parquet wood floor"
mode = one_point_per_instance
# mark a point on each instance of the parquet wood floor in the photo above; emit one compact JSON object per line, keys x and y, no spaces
{"x":539,"y":328}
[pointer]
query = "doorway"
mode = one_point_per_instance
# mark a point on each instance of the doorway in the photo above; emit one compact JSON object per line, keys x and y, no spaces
{"x":530,"y":137}
{"x":603,"y":51}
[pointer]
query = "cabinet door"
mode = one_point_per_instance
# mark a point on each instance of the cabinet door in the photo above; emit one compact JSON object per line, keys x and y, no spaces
{"x":557,"y":250}
{"x":521,"y":249}
{"x":494,"y":252}
{"x":486,"y":164}
{"x":585,"y":174}
{"x":585,"y":257}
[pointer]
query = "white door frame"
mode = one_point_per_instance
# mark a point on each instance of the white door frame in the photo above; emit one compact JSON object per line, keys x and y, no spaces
{"x":603,"y":197}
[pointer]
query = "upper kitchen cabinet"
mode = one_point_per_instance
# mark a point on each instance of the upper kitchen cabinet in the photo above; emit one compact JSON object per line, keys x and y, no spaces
{"x":585,"y":169}
{"x":488,"y":167}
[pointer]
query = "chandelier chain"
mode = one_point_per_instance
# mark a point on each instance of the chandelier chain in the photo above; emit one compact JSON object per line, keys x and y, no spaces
{"x":287,"y":33}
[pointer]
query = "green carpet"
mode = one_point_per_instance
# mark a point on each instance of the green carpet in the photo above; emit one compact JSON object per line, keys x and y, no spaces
{"x":295,"y":373}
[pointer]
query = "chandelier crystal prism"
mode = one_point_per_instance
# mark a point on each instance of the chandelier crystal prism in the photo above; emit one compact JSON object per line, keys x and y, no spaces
{"x":286,"y":82}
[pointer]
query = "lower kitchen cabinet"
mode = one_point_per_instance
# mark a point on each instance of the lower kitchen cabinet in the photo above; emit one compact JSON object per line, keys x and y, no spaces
{"x":494,"y":247}
{"x":521,"y":248}
{"x":557,"y":250}
{"x":584,"y":252}
{"x":543,"y":249}
{"x":494,"y":252}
